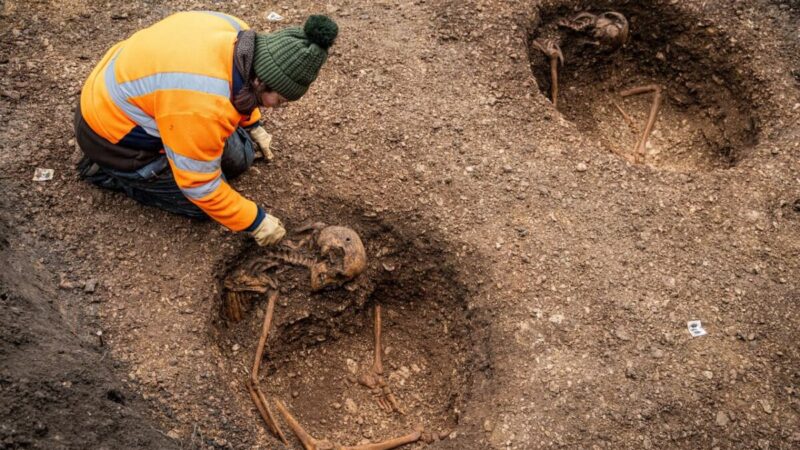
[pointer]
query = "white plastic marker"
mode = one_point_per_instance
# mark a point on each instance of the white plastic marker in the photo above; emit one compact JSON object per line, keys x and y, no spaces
{"x":274,"y":17}
{"x":42,"y":174}
{"x":696,"y":328}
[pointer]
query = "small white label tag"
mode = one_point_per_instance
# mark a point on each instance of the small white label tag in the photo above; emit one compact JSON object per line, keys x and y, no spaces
{"x":274,"y":17}
{"x":696,"y":328}
{"x":42,"y":174}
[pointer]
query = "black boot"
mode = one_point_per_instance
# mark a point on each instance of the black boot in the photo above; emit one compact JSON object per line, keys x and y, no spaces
{"x":92,"y":172}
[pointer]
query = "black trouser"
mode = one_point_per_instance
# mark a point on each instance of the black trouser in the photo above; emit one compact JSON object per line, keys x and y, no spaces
{"x":154,"y":185}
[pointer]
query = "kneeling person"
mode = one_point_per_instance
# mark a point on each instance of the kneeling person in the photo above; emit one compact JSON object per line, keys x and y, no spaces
{"x":172,"y":113}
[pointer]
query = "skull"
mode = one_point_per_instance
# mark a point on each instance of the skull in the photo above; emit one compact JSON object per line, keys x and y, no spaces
{"x":342,"y":257}
{"x":611,"y":29}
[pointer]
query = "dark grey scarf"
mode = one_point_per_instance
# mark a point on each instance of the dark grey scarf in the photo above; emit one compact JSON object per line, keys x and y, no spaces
{"x":246,"y":100}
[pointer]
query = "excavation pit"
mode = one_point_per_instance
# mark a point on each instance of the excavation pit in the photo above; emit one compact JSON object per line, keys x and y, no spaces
{"x":320,"y":342}
{"x":706,"y":121}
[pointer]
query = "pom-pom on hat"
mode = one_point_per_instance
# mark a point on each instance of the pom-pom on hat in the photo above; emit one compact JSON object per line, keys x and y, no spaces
{"x":289,"y":60}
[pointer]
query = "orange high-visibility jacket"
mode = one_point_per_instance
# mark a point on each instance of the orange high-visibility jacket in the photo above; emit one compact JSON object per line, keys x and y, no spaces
{"x":174,"y":81}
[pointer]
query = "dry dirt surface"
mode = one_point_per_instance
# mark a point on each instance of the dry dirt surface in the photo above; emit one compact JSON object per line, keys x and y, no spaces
{"x":535,"y":282}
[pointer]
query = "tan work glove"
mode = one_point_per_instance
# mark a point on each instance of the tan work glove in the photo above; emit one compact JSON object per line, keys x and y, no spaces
{"x":263,"y":139}
{"x":270,"y":231}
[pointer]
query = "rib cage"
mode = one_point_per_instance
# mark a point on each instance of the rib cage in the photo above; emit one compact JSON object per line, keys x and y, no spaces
{"x":285,"y":256}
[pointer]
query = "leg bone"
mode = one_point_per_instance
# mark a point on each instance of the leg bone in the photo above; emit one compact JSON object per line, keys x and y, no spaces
{"x":551,"y":49}
{"x":388,"y":444}
{"x":311,"y":443}
{"x":625,"y":115}
{"x":373,"y":378}
{"x":252,"y":382}
{"x":651,"y":119}
{"x":377,"y":365}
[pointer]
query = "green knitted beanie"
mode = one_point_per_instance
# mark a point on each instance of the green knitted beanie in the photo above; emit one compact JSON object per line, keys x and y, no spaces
{"x":289,"y":60}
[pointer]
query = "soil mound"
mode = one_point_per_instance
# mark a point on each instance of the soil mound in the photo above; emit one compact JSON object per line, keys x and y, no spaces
{"x":56,"y":390}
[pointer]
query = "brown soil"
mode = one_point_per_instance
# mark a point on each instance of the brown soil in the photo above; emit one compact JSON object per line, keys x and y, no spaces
{"x":535,"y":284}
{"x":57,"y":387}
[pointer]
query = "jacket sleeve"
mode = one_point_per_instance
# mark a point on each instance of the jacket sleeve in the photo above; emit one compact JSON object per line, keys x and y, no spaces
{"x":194,"y":144}
{"x":255,"y":116}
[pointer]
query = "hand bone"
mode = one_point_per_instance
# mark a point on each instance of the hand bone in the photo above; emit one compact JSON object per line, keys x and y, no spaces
{"x":550,"y":48}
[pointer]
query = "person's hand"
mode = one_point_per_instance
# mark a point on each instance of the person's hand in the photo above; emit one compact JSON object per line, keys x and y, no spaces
{"x":270,"y":231}
{"x":263,"y":140}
